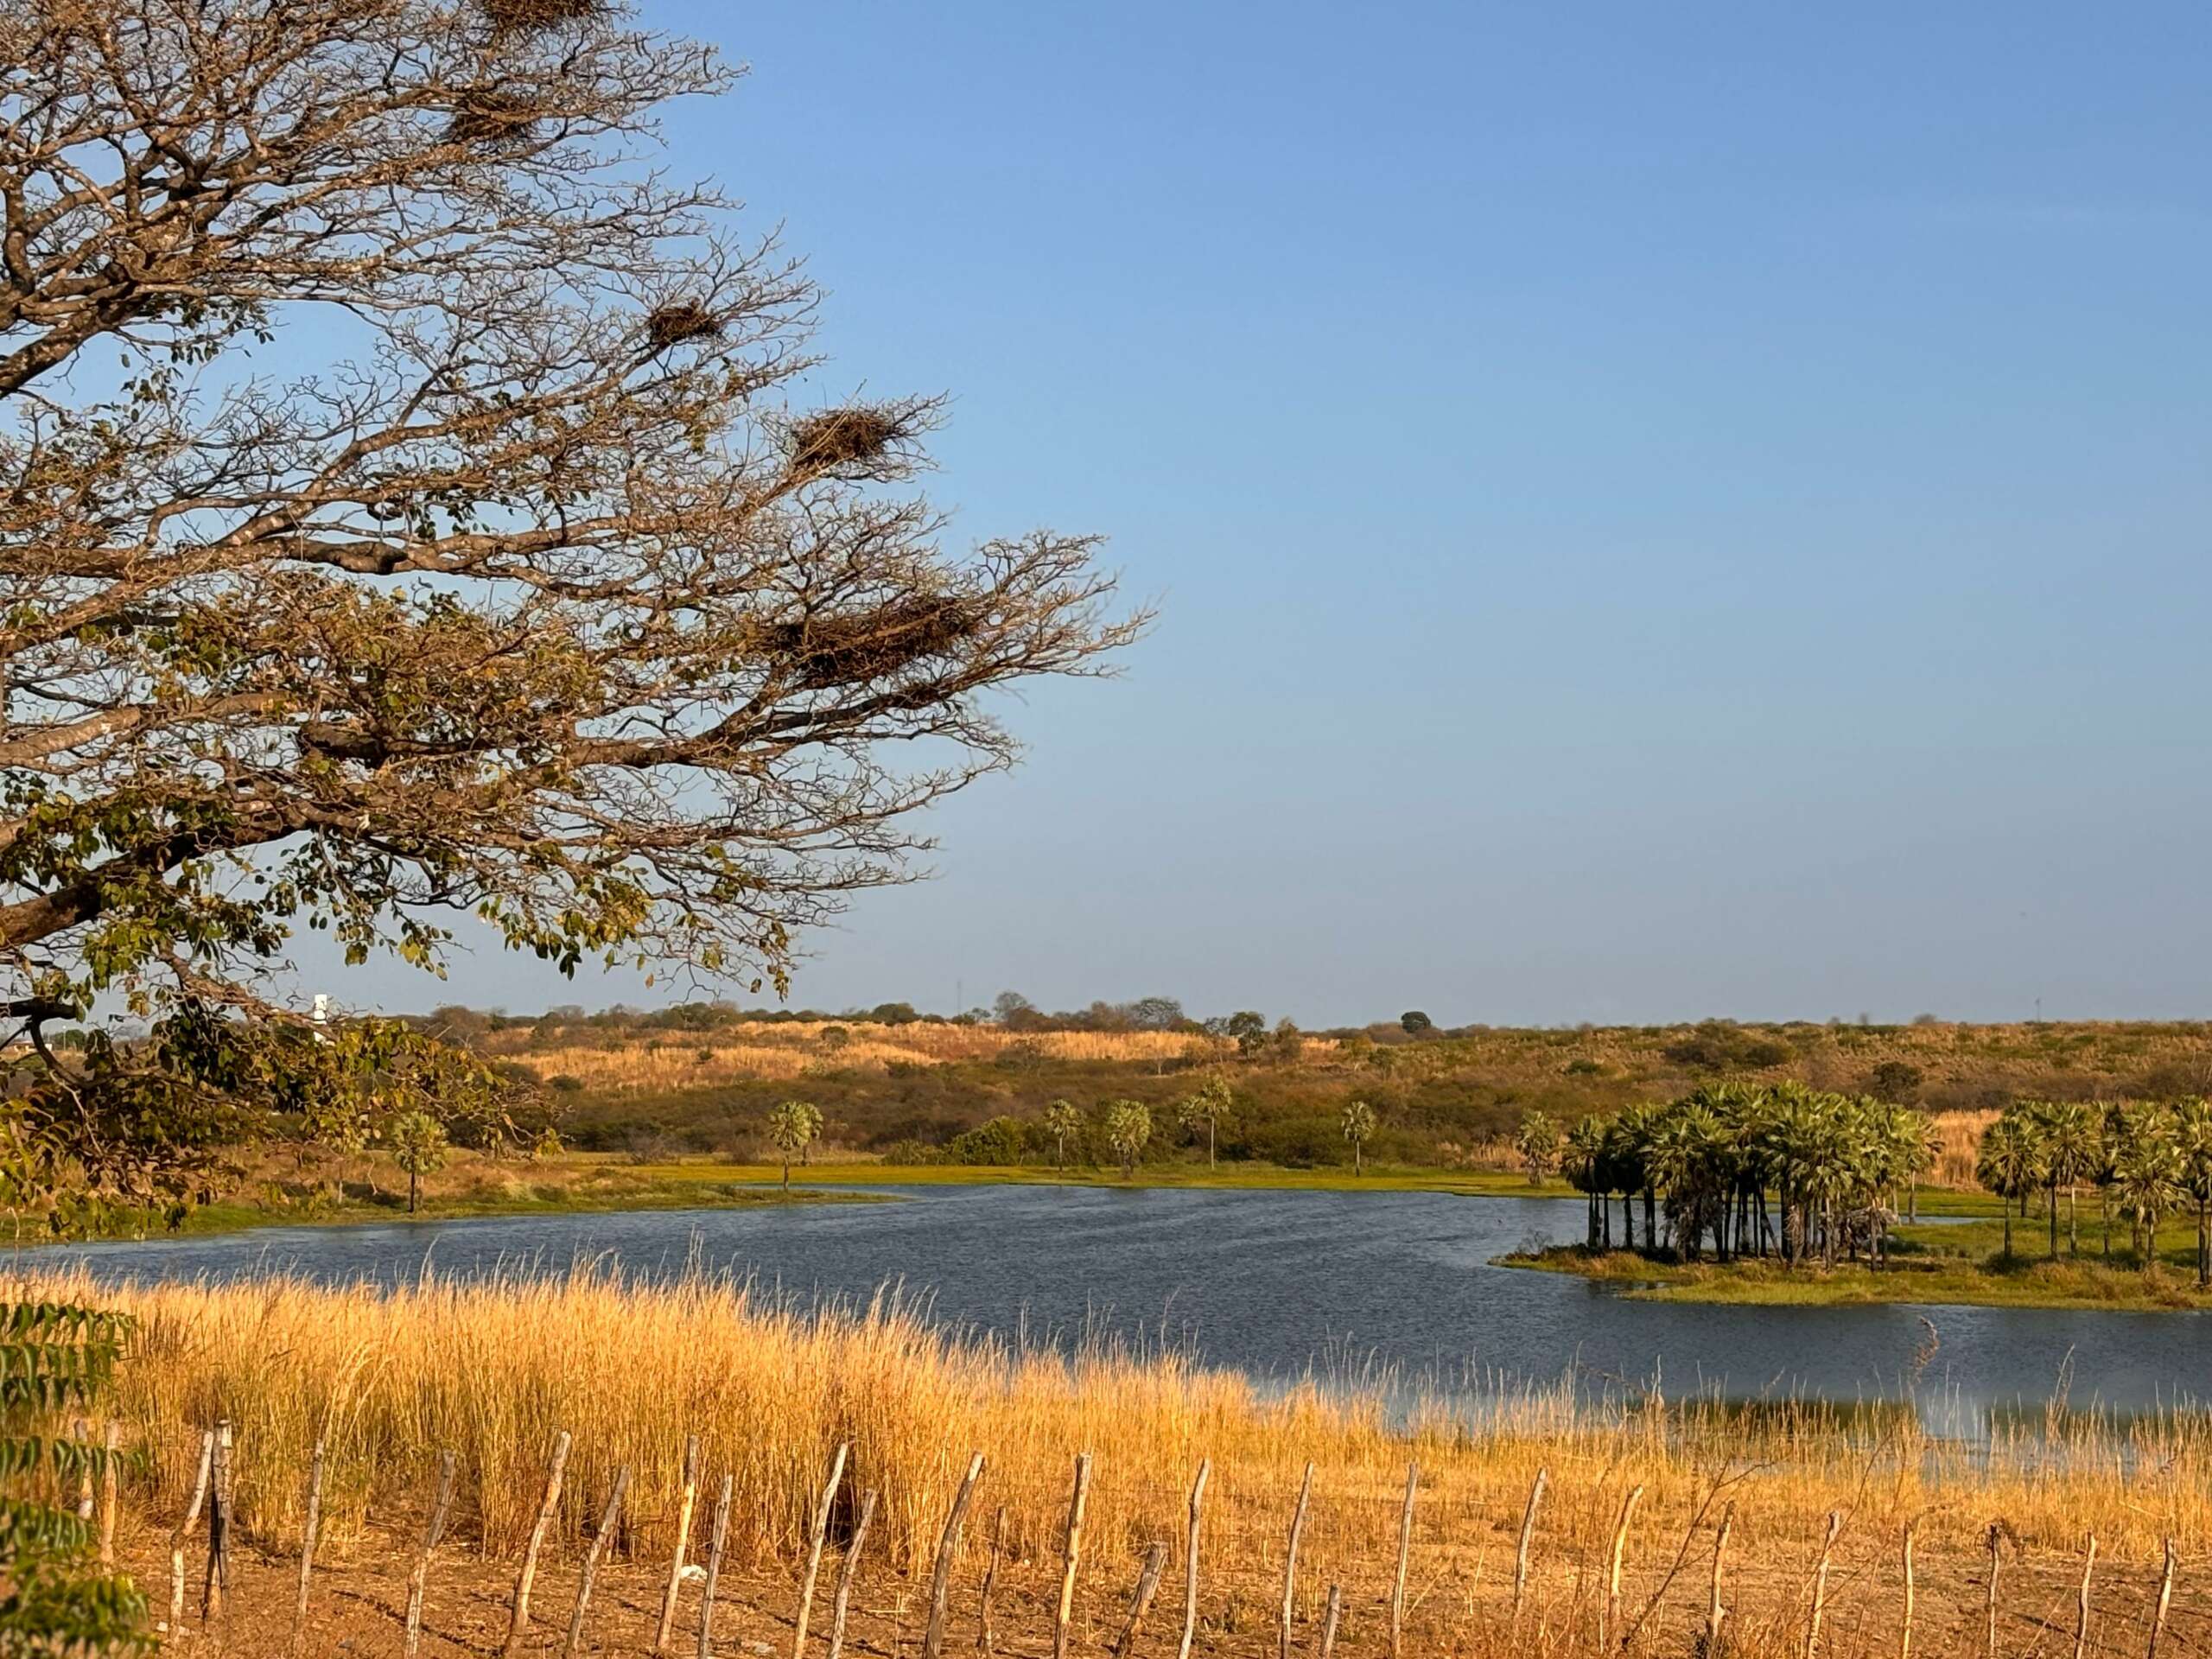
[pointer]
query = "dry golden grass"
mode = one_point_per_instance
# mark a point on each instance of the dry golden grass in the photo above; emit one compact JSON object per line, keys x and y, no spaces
{"x":796,"y":1048}
{"x":495,"y":1371}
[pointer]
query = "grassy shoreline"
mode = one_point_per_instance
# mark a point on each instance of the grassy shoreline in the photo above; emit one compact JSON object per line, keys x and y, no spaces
{"x":1953,"y":1277}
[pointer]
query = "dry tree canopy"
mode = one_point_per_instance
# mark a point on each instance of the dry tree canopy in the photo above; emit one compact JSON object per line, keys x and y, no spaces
{"x":402,"y":572}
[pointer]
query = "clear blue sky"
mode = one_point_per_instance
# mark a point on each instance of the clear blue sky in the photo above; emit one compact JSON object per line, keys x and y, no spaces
{"x":1658,"y":511}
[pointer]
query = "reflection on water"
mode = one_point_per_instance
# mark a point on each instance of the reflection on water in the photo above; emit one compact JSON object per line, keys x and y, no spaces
{"x":1388,"y":1288}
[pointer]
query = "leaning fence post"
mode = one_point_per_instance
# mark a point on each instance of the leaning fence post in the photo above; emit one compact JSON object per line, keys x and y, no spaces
{"x":814,"y":1551}
{"x":547,"y":1509}
{"x":687,"y":1501}
{"x":110,"y":1451}
{"x":2081,"y":1606}
{"x":184,"y":1531}
{"x":1820,"y":1586}
{"x":1070,"y":1554}
{"x":1329,"y":1619}
{"x":2165,"y":1600}
{"x":1405,"y":1548}
{"x":721,"y":1530}
{"x":1156,"y":1563}
{"x":986,"y":1641}
{"x":608,"y":1519}
{"x":1612,"y":1611}
{"x":311,"y":1525}
{"x":218,"y":1581}
{"x":845,"y":1573}
{"x":948,"y":1545}
{"x":1191,"y":1561}
{"x":1290,"y":1561}
{"x":1528,"y":1532}
{"x":433,"y":1530}
{"x":1716,"y":1610}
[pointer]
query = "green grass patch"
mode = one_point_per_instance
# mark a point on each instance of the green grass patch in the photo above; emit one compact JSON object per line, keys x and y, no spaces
{"x":1993,"y":1281}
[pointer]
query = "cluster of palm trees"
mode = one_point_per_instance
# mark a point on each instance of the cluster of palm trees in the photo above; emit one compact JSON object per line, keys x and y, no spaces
{"x":1757,"y":1169}
{"x":2145,"y":1159}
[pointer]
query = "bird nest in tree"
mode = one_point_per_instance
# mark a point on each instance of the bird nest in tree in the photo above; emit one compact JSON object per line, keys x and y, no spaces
{"x":845,"y":437}
{"x":489,"y":115}
{"x":527,"y":16}
{"x":847,"y":647}
{"x":671,"y":324}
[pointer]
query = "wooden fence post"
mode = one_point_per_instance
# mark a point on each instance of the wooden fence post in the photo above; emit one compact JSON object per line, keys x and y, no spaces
{"x":1904,"y":1631}
{"x":1996,"y":1538}
{"x":1716,"y":1610}
{"x":1528,"y":1532}
{"x":721,"y":1531}
{"x":2165,"y":1600}
{"x":218,"y":1581}
{"x":986,"y":1641}
{"x":80,"y":1433}
{"x":1191,"y":1561}
{"x":1329,"y":1619}
{"x":609,"y":1518}
{"x":845,"y":1573}
{"x":311,"y":1525}
{"x":814,"y":1550}
{"x":526,"y":1575}
{"x":2081,"y":1605}
{"x":1070,"y":1554}
{"x":1820,"y":1586}
{"x":1156,"y":1563}
{"x":433,"y":1530}
{"x":1405,"y":1549}
{"x":685,"y":1505}
{"x":948,"y":1545}
{"x":1290,"y":1562}
{"x":110,"y":1454}
{"x":175,"y":1626}
{"x":1610,"y":1621}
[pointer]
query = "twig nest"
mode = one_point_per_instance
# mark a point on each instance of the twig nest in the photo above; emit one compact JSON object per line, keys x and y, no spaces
{"x":847,"y":647}
{"x":529,"y":16}
{"x":491,"y":115}
{"x":845,"y":437}
{"x":671,"y":325}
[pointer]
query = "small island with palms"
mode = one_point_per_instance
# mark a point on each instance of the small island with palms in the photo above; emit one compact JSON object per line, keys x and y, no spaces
{"x":1784,"y":1194}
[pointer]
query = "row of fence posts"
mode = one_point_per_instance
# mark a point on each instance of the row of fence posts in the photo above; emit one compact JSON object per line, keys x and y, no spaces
{"x":212,"y":1494}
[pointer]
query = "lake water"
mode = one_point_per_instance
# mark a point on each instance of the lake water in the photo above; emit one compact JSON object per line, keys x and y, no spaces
{"x":1279,"y":1284}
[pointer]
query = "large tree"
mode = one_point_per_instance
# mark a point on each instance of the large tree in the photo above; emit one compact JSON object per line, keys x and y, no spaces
{"x":410,"y":511}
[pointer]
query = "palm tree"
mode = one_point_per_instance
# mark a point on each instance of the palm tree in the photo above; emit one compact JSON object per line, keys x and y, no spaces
{"x":2192,"y":1147}
{"x":1061,"y":1121}
{"x":2005,"y":1164}
{"x":2068,"y":1131}
{"x":2147,"y":1184}
{"x":1128,"y":1127}
{"x":1209,"y":1106}
{"x":1585,"y":1167}
{"x":1538,"y":1144}
{"x":1359,"y":1127}
{"x":793,"y":1127}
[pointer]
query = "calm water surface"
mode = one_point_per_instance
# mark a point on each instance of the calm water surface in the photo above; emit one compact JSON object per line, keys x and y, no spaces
{"x":1278,"y":1284}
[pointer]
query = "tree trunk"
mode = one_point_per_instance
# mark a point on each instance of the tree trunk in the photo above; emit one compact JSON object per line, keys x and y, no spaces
{"x":1209,"y":1143}
{"x":787,"y":1171}
{"x":2005,"y":1205}
{"x":2052,"y":1197}
{"x":414,"y":1188}
{"x":2073,"y":1220}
